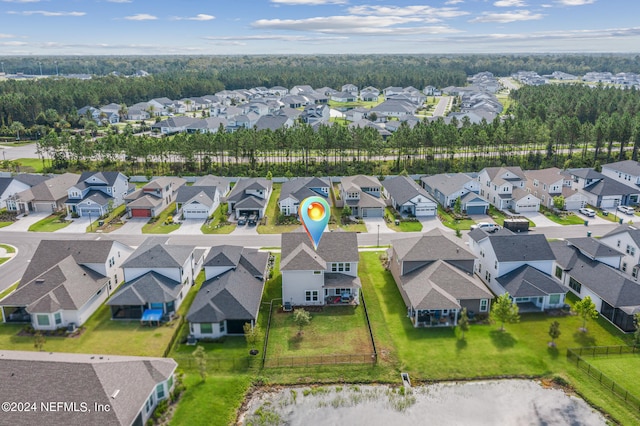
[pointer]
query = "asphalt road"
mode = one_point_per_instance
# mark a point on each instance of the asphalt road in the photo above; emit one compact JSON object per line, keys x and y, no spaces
{"x":27,"y":242}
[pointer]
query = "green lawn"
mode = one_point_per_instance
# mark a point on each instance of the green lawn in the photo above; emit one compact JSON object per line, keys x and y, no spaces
{"x":566,"y":219}
{"x":33,"y":165}
{"x":8,"y":290}
{"x":158,"y":226}
{"x":106,"y":227}
{"x":3,"y":224}
{"x":272,"y":214}
{"x":3,"y":259}
{"x":617,"y":368}
{"x":8,"y":248}
{"x":49,"y":224}
{"x":352,"y":227}
{"x":448,"y":221}
{"x":406,"y":226}
{"x":217,"y":225}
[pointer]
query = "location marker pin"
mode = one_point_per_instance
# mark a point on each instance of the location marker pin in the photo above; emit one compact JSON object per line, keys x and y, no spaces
{"x":314,"y":213}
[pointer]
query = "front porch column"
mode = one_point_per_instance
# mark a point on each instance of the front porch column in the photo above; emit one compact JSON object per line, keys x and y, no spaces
{"x":455,"y":318}
{"x":2,"y":309}
{"x":415,"y":324}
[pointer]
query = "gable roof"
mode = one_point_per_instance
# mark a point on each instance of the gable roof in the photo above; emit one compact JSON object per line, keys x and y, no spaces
{"x":517,"y":247}
{"x":624,"y":228}
{"x":548,"y":176}
{"x":109,"y":178}
{"x":630,"y":167}
{"x":592,"y":247}
{"x":225,"y":255}
{"x":432,"y":245}
{"x":360,"y":181}
{"x":205,"y":195}
{"x":156,"y":255}
{"x":238,"y":191}
{"x":151,"y":287}
{"x":300,"y":188}
{"x":403,"y":189}
{"x":585,"y":173}
{"x":495,"y":173}
{"x":447,"y":183}
{"x":527,"y":281}
{"x":211,"y":180}
{"x":30,"y":179}
{"x":336,"y":246}
{"x":122,"y":382}
{"x":53,"y":189}
{"x":607,"y":186}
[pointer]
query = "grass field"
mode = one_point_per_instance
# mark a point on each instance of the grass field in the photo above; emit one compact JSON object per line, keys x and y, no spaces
{"x":159,"y":227}
{"x":619,"y":368}
{"x":33,"y":165}
{"x":49,"y":224}
{"x":272,"y":215}
{"x":448,"y":221}
{"x":567,"y":219}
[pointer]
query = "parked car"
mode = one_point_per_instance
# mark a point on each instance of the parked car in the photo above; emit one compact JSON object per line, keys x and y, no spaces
{"x":626,"y":209}
{"x":486,"y":226}
{"x":253,"y":219}
{"x":242,"y":220}
{"x":587,"y":212}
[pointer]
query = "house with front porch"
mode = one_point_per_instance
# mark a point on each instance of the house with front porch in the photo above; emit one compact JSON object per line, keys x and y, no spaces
{"x":409,"y":198}
{"x":435,"y":277}
{"x":197,"y":202}
{"x":231,"y":294}
{"x":328,"y":275}
{"x":154,"y":197}
{"x":586,"y":267}
{"x":294,"y":191}
{"x":96,"y":193}
{"x":157,"y":278}
{"x":103,"y":389}
{"x":250,"y":196}
{"x":504,"y":188}
{"x":521,"y":265}
{"x":65,"y":283}
{"x":46,"y":197}
{"x":446,"y":188}
{"x":363,"y":194}
{"x":626,"y":240}
{"x":546,"y":184}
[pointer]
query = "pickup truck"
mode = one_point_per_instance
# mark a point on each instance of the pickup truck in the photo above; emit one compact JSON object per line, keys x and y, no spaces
{"x":486,"y":226}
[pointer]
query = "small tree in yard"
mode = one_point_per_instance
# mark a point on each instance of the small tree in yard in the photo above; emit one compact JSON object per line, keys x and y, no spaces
{"x":504,"y":310}
{"x":346,"y":212}
{"x":457,"y":207}
{"x":558,"y":202}
{"x":463,"y":323}
{"x":301,"y":318}
{"x":201,"y":362}
{"x":586,"y":309}
{"x":251,"y":334}
{"x":554,"y":333}
{"x":39,"y":340}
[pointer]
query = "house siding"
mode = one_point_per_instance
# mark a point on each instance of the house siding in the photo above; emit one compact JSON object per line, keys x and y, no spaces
{"x":296,"y":283}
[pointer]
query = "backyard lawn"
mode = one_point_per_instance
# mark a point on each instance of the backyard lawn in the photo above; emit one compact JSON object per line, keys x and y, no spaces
{"x":617,"y":368}
{"x":158,"y":226}
{"x":49,"y":224}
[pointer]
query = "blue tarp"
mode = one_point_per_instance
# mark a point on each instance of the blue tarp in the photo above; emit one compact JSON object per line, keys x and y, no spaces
{"x":151,"y":315}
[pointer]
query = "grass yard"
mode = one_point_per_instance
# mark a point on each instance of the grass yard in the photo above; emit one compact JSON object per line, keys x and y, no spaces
{"x":272,"y":215}
{"x":617,"y":368}
{"x":49,"y":224}
{"x":448,"y":221}
{"x":158,"y":226}
{"x":8,"y":248}
{"x":566,"y":219}
{"x":3,"y":224}
{"x":33,"y":165}
{"x":3,"y":259}
{"x":351,"y":227}
{"x":407,"y":226}
{"x":218,"y":223}
{"x":106,"y":227}
{"x":8,"y":290}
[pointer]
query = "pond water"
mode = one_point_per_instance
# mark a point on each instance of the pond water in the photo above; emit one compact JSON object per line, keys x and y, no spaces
{"x":499,"y":402}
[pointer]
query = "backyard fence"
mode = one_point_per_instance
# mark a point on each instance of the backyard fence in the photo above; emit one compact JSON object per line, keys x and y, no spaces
{"x":218,"y":363}
{"x":174,"y":337}
{"x":576,"y":355}
{"x":306,"y":361}
{"x":366,"y":315}
{"x":266,"y":336}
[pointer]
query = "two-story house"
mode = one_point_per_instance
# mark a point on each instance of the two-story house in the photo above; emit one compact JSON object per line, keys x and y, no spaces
{"x":626,"y":240}
{"x":446,"y":188}
{"x":296,"y":190}
{"x":231,"y":295}
{"x":157,"y":278}
{"x":363,"y":194}
{"x":626,"y":172}
{"x":600,"y":190}
{"x":409,"y":198}
{"x":552,"y":182}
{"x":250,"y":196}
{"x":152,"y":198}
{"x":435,"y":276}
{"x":96,"y":193}
{"x":328,"y":275}
{"x":589,"y":268}
{"x":65,"y":282}
{"x":521,"y":265}
{"x":504,"y":187}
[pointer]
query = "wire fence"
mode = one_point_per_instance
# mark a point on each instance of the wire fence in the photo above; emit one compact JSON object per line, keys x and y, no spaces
{"x":306,"y":361}
{"x":366,"y":315}
{"x":576,"y":355}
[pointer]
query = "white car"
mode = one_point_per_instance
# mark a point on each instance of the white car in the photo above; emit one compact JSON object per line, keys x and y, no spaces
{"x":486,"y":226}
{"x":587,"y":212}
{"x":626,"y":209}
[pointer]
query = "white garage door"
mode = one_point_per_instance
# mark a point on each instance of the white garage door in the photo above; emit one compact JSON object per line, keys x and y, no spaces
{"x":89,"y":212}
{"x":372,"y":212}
{"x":425,"y":211}
{"x":195,"y":214}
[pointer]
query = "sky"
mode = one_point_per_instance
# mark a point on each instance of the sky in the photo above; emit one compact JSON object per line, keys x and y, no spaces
{"x":222,"y":27}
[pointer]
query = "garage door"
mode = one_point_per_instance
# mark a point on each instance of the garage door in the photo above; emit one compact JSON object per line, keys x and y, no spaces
{"x":140,"y":213}
{"x":89,"y":212}
{"x":372,"y":212}
{"x":195,"y":214}
{"x":425,"y":211}
{"x":476,"y":210}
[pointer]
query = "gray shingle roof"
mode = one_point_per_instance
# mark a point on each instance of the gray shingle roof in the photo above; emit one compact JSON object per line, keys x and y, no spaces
{"x":403,"y":189}
{"x":202,"y":194}
{"x":585,"y":173}
{"x":517,"y":247}
{"x":433,"y":245}
{"x":109,"y":178}
{"x":37,"y":376}
{"x":360,"y":181}
{"x":238,"y":191}
{"x":225,"y":255}
{"x":447,"y":183}
{"x":334,"y":246}
{"x":53,"y":189}
{"x":630,"y":167}
{"x":633,"y":232}
{"x":593,"y":248}
{"x":607,"y":186}
{"x":30,"y":179}
{"x":151,"y":287}
{"x":299,"y":188}
{"x":159,"y":256}
{"x":527,"y":281}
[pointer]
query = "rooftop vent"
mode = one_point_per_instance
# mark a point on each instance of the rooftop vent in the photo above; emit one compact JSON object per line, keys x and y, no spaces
{"x":40,"y":281}
{"x":113,"y":395}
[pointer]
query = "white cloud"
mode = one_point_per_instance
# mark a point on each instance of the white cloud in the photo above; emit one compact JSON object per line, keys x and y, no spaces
{"x":271,"y":37}
{"x":575,"y":2}
{"x":141,"y":17}
{"x":198,"y":17}
{"x":308,"y":2}
{"x":120,"y":1}
{"x":359,"y":25}
{"x":504,"y":18}
{"x":7,"y":36}
{"x":449,"y":2}
{"x":21,"y":1}
{"x":45,"y":13}
{"x":415,"y":11}
{"x":13,"y":43}
{"x":509,"y":3}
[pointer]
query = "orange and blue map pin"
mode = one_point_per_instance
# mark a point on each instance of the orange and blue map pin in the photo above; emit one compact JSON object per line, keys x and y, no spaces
{"x":314,"y":213}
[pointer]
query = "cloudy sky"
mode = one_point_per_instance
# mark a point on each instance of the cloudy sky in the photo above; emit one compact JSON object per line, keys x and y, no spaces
{"x":108,"y":27}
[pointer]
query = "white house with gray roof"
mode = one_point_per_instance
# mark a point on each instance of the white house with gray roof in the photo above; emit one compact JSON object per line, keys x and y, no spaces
{"x":250,"y":196}
{"x":521,"y":265}
{"x":409,"y":198}
{"x":157,"y":277}
{"x":197,"y":202}
{"x":504,"y":187}
{"x":446,"y":188}
{"x":328,"y":275}
{"x":294,"y":191}
{"x":363,"y":194}
{"x":231,"y":295}
{"x":65,"y":282}
{"x":11,"y":185}
{"x":95,"y":389}
{"x":603,"y":191}
{"x":626,"y":240}
{"x":435,"y":277}
{"x":96,"y":193}
{"x":626,"y":172}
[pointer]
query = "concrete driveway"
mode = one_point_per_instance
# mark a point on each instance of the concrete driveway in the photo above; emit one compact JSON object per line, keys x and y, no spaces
{"x":24,"y":222}
{"x":373,"y":223}
{"x":132,"y":226}
{"x":245,"y":230}
{"x":541,"y":220}
{"x":432,"y":222}
{"x":77,"y":226}
{"x":189,"y":227}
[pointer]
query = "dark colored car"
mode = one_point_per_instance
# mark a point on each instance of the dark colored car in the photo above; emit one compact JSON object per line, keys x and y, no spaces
{"x":242,"y":220}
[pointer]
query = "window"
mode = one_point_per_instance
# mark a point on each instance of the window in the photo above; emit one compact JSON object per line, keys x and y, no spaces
{"x":160,"y":391}
{"x":554,"y":299}
{"x":618,"y":243}
{"x":575,"y":285}
{"x":634,"y":272}
{"x":170,"y":382}
{"x":624,"y":266}
{"x":558,"y":272}
{"x":317,"y":272}
{"x":149,"y":404}
{"x":43,"y":319}
{"x":58,"y":318}
{"x":484,"y":304}
{"x":631,"y":250}
{"x":223,"y":327}
{"x":311,"y":295}
{"x":479,"y":267}
{"x":206,"y":328}
{"x":495,"y":265}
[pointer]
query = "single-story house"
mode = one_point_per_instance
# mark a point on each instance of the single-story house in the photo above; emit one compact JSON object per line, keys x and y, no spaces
{"x":407,"y":197}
